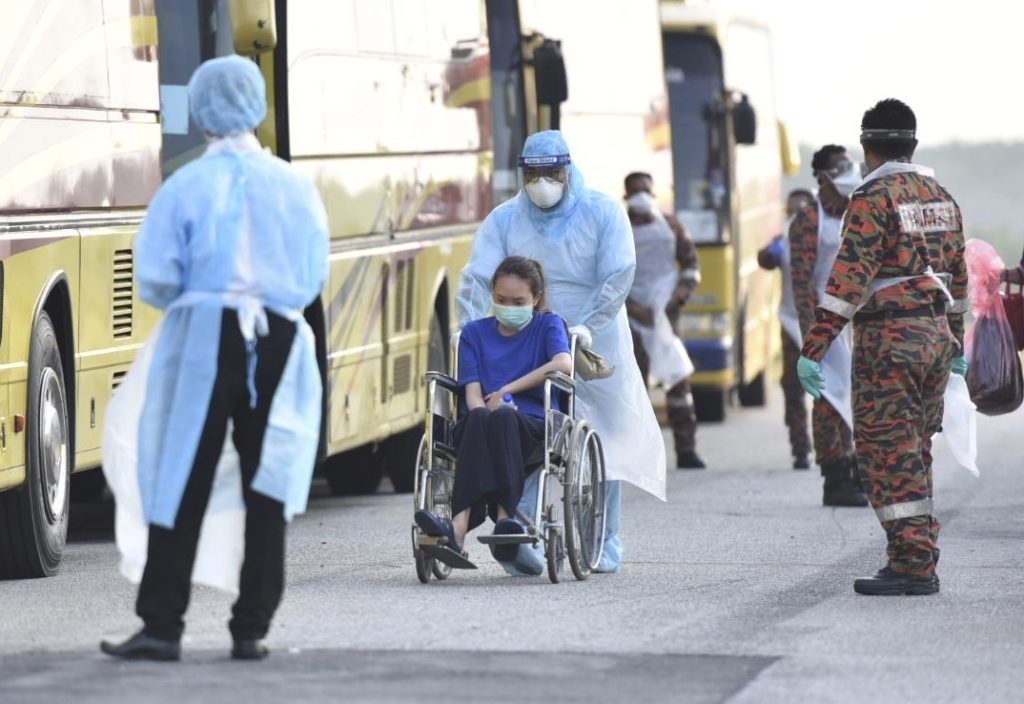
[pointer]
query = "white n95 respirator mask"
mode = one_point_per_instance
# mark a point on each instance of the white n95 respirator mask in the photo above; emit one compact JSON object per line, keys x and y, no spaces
{"x":545,"y":192}
{"x":847,"y":182}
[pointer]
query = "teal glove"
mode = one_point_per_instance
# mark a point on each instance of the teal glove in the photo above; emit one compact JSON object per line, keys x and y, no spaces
{"x":959,"y":367}
{"x":810,"y":376}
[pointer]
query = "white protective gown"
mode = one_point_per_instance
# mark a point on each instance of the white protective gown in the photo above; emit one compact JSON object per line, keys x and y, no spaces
{"x":788,"y":317}
{"x":837,"y":365}
{"x":656,"y":279}
{"x":214,"y":237}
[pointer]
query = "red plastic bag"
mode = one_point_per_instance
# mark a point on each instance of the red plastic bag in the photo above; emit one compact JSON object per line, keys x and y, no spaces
{"x":994,"y":369}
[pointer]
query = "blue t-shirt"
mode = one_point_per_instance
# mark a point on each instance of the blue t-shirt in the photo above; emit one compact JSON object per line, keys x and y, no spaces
{"x":493,"y":359}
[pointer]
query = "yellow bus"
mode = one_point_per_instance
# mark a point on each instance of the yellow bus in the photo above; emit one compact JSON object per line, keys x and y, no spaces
{"x":386,"y":104}
{"x":729,"y":152}
{"x":407,"y":114}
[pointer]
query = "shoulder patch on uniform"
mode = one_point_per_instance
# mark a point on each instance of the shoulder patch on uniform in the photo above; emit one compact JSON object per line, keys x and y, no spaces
{"x":927,"y":217}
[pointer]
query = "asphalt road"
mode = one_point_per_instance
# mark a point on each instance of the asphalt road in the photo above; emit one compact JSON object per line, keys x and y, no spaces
{"x":738,"y":589}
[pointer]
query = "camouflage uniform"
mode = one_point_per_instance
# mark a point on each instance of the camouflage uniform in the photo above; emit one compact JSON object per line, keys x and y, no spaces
{"x":833,"y":440}
{"x":795,"y":406}
{"x":682,"y":417}
{"x":905,"y":338}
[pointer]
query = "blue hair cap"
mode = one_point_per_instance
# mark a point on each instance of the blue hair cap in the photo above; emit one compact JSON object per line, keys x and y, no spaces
{"x":546,"y":144}
{"x":227,"y":95}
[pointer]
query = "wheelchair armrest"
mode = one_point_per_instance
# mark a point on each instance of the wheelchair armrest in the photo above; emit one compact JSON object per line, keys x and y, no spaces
{"x":443,"y":380}
{"x":561,"y":381}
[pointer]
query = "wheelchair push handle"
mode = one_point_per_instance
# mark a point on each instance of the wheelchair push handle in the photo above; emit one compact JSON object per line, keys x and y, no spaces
{"x":442,"y":379}
{"x":561,"y":381}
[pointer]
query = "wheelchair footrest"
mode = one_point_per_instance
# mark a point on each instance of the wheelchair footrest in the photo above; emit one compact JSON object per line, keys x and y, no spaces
{"x":506,"y":539}
{"x":448,"y":557}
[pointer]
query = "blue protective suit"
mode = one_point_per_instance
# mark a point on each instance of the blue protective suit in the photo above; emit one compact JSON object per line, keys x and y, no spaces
{"x":235,"y":228}
{"x":585,"y":244}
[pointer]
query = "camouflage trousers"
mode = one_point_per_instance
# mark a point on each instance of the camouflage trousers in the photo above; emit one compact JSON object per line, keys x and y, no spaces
{"x":682,"y":417}
{"x":796,"y":408}
{"x":833,"y":439}
{"x":900,"y":369}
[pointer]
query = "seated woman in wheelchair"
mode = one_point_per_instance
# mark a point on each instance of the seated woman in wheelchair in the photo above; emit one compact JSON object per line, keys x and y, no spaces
{"x":501,"y":358}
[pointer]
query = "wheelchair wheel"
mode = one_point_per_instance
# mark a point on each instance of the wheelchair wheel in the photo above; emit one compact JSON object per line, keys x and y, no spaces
{"x":424,"y":566}
{"x":554,"y":534}
{"x":584,"y":501}
{"x":555,"y":554}
{"x":433,"y":493}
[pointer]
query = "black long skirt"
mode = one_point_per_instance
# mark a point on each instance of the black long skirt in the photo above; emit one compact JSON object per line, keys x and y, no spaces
{"x":495,"y":451}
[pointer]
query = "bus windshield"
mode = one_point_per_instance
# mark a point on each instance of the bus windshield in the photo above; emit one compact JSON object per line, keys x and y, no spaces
{"x":693,"y":73}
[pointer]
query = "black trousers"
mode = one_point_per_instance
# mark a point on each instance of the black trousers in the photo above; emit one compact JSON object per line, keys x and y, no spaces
{"x":494,"y":449}
{"x":167,"y":580}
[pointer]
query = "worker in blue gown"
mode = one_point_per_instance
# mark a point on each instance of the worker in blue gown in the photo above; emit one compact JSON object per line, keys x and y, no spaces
{"x":233,"y":247}
{"x":584,"y":240}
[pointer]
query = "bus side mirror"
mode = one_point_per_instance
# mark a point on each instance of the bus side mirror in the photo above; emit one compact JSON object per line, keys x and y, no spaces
{"x":549,"y":73}
{"x":744,"y":121}
{"x":253,"y":26}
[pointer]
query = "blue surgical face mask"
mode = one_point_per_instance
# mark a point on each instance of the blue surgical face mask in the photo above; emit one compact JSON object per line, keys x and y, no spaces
{"x":513,"y":317}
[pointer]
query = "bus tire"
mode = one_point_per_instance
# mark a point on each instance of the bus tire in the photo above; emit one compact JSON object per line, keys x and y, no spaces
{"x":754,"y":393}
{"x":34,"y":518}
{"x":356,"y":472}
{"x":709,"y":404}
{"x":401,"y":449}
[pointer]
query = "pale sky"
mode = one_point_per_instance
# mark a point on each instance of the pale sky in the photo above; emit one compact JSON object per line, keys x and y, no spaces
{"x":958,"y":64}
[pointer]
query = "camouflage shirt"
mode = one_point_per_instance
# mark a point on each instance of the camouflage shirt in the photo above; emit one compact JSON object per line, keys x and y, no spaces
{"x":895,"y":225}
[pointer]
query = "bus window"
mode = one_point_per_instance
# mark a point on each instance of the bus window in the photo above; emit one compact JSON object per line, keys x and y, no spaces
{"x":190,"y":33}
{"x":693,"y":73}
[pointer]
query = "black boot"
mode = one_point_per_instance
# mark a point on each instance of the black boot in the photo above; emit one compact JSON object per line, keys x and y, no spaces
{"x":885,"y":582}
{"x":801,"y":461}
{"x":842,"y":484}
{"x":689,"y":460}
{"x":143,"y":647}
{"x":245,"y":649}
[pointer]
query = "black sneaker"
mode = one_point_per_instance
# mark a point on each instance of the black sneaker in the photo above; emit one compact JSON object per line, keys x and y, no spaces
{"x":885,"y":582}
{"x":143,"y":647}
{"x":843,"y":493}
{"x":507,"y":526}
{"x":436,"y":526}
{"x":249,"y":649}
{"x":801,"y":462}
{"x":689,"y":460}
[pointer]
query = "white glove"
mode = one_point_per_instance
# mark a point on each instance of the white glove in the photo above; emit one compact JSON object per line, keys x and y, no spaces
{"x":584,"y":338}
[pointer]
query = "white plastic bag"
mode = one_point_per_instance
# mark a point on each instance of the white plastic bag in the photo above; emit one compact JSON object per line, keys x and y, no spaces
{"x":222,"y":535}
{"x":960,"y":423}
{"x":669,"y":361}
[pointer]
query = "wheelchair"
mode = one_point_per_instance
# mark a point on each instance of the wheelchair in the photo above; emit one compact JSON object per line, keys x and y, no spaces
{"x":569,"y":514}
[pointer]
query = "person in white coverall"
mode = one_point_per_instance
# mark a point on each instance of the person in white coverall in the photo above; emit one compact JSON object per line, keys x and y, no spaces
{"x":233,"y":248}
{"x":584,"y":240}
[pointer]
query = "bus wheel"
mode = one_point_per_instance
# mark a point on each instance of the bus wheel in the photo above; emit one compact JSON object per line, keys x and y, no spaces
{"x":36,"y":515}
{"x":709,"y":405}
{"x":355,"y":472}
{"x":754,"y":393}
{"x":402,"y":448}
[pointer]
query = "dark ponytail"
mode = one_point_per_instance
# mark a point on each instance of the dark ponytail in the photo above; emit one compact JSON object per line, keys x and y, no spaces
{"x":530,"y":271}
